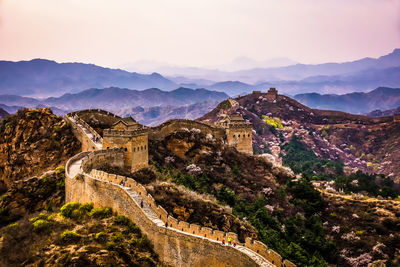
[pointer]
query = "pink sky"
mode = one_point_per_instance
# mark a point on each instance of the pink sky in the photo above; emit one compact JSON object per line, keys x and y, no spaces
{"x":197,"y":33}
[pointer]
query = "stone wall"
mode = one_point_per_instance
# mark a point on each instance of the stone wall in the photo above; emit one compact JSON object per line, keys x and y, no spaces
{"x":241,"y":138}
{"x":88,"y":187}
{"x":87,"y":143}
{"x":134,"y":143}
{"x":171,"y":126}
{"x":99,"y":111}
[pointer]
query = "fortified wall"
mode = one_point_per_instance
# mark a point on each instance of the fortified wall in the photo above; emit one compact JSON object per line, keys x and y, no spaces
{"x":178,"y":243}
{"x":132,"y":138}
{"x":161,"y":131}
{"x":85,"y":134}
{"x":238,"y":133}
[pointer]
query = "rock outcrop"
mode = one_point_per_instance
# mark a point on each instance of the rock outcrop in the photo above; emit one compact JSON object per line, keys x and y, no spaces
{"x":32,"y":142}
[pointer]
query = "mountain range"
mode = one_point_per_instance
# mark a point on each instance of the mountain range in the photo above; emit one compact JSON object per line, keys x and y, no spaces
{"x":43,"y":78}
{"x":382,"y":98}
{"x":295,"y":72}
{"x":150,"y":106}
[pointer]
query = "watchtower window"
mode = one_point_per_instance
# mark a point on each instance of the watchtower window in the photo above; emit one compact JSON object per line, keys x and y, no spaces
{"x":144,"y":147}
{"x":126,"y":149}
{"x":239,"y":135}
{"x":134,"y":149}
{"x":108,"y":147}
{"x":138,"y":148}
{"x":248,"y":135}
{"x":234,"y":136}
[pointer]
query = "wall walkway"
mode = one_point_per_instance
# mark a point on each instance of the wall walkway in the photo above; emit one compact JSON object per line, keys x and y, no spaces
{"x":178,"y":243}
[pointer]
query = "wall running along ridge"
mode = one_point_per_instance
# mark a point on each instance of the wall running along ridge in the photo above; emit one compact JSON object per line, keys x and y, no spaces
{"x":177,"y":242}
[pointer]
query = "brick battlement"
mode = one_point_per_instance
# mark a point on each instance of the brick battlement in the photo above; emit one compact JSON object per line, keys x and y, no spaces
{"x":159,"y":223}
{"x":124,"y":133}
{"x":101,"y":111}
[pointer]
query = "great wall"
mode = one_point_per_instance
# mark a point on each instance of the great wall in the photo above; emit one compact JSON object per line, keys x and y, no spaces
{"x":178,"y":243}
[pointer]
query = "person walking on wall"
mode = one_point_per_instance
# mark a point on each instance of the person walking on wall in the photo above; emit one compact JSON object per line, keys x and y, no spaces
{"x":229,"y":240}
{"x":223,"y":241}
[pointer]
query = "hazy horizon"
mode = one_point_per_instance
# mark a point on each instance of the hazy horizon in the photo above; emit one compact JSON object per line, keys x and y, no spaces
{"x":200,"y":34}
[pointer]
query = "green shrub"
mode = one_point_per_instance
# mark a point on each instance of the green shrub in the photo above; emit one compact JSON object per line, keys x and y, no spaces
{"x":68,"y":208}
{"x":56,"y":128}
{"x":235,"y":170}
{"x":132,"y":228}
{"x":118,"y":237}
{"x":142,"y":243}
{"x":13,"y":226}
{"x":70,"y":237}
{"x":60,"y":169}
{"x":41,"y":225}
{"x":111,"y":245}
{"x":101,"y":213}
{"x":122,"y":220}
{"x":75,"y":210}
{"x":3,"y":197}
{"x":101,"y":237}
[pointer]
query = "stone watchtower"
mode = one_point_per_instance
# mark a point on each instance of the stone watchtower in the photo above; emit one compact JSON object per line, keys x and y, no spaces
{"x":238,"y":133}
{"x":126,"y":133}
{"x":271,"y":95}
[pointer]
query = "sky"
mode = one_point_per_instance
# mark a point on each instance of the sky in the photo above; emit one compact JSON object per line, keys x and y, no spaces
{"x":197,"y":33}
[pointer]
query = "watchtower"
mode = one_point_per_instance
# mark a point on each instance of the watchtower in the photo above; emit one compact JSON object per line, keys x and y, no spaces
{"x":238,"y":133}
{"x":126,"y":133}
{"x":272,"y":94}
{"x":396,"y":117}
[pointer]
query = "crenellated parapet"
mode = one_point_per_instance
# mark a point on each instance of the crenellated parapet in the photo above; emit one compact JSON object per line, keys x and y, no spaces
{"x":254,"y":249}
{"x":161,"y":131}
{"x":101,"y":111}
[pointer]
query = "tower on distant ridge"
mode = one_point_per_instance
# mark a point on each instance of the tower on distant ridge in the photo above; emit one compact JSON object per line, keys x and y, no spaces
{"x":271,"y":95}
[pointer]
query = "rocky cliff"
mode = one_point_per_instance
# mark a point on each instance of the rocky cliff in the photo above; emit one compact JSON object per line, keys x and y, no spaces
{"x":31,"y":142}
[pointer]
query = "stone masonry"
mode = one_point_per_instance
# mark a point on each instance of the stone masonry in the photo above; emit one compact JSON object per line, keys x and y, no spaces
{"x":178,"y":243}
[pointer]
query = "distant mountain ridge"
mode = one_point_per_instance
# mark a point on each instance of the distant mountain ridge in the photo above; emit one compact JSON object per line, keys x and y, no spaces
{"x":153,"y":116}
{"x":44,"y":78}
{"x":3,"y":114}
{"x":40,"y":77}
{"x":380,"y":113}
{"x":382,"y":98}
{"x":116,"y":99}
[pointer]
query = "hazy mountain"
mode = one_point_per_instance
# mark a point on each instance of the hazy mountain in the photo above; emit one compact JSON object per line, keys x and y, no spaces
{"x":10,"y":109}
{"x":153,"y":116}
{"x":365,"y":80}
{"x":243,"y":63}
{"x":45,"y":78}
{"x":380,"y":113}
{"x":240,"y":63}
{"x":232,"y":88}
{"x":21,"y":101}
{"x":294,"y":72}
{"x":115,"y":99}
{"x":4,"y":114}
{"x":382,"y":98}
{"x":302,"y":71}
